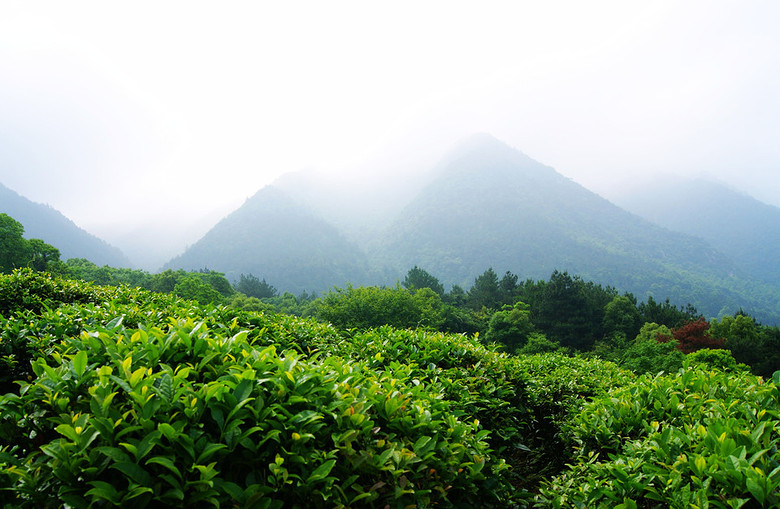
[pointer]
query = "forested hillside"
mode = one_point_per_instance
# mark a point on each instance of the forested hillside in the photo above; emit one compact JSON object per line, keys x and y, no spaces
{"x":485,"y":205}
{"x":43,"y":222}
{"x":492,"y":206}
{"x":272,"y":236}
{"x":743,"y":228}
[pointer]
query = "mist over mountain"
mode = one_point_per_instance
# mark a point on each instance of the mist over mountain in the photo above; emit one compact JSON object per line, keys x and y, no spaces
{"x":493,"y":206}
{"x":484,"y":205}
{"x":743,"y":228}
{"x":46,"y":223}
{"x":276,"y":238}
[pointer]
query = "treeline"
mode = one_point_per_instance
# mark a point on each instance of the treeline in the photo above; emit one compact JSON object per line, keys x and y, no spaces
{"x":16,"y":251}
{"x":564,"y":313}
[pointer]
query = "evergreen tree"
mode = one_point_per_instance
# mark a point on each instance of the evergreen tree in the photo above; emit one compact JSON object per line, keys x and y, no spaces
{"x":418,"y":278}
{"x":485,"y":292}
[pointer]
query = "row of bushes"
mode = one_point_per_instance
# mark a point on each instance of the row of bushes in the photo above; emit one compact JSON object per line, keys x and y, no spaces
{"x":120,"y":396}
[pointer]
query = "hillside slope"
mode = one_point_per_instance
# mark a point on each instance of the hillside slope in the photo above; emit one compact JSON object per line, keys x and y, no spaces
{"x":276,"y":238}
{"x":46,"y":223}
{"x":494,"y":206}
{"x":745,"y":229}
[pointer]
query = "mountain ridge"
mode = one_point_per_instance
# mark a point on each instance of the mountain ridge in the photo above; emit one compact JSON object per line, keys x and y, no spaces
{"x":53,"y":227}
{"x":490,"y":205}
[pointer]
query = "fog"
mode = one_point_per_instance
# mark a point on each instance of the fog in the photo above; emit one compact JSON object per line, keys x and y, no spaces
{"x":146,"y":122}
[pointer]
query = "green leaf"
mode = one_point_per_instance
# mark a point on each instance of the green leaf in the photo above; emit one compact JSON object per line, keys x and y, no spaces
{"x":68,"y":431}
{"x":165,"y":388}
{"x":165,"y":462}
{"x":243,"y":390}
{"x":209,"y":451}
{"x":80,"y":362}
{"x":167,"y":430}
{"x":755,"y":490}
{"x":115,"y":323}
{"x":104,"y":491}
{"x":322,"y":471}
{"x":134,"y":472}
{"x":136,"y":492}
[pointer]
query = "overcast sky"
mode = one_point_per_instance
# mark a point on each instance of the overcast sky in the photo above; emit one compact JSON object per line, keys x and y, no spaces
{"x":117,"y":113}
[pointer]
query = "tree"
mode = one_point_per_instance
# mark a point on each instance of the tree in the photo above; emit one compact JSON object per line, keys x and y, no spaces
{"x":165,"y":281}
{"x":251,"y":286}
{"x":667,"y":313}
{"x":42,"y":255}
{"x":194,"y":288}
{"x":368,"y":307}
{"x":621,"y":317}
{"x":570,"y":310}
{"x":511,"y":326}
{"x":538,"y":343}
{"x":508,"y":287}
{"x":485,"y":292}
{"x":694,"y":336}
{"x":418,"y":278}
{"x":750,"y":343}
{"x":14,"y":248}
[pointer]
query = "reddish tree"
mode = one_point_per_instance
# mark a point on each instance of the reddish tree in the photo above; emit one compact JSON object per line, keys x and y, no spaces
{"x":693,"y":336}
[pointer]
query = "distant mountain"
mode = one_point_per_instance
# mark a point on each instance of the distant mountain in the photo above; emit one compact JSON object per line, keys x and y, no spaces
{"x":46,"y":223}
{"x":493,"y":206}
{"x":743,"y":228}
{"x":274,"y":237}
{"x":485,"y":205}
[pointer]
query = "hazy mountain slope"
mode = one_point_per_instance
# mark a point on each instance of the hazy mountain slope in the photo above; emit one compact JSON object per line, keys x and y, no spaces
{"x":46,"y":223}
{"x":276,"y":238}
{"x":360,"y":205}
{"x":745,"y":229}
{"x":493,"y":206}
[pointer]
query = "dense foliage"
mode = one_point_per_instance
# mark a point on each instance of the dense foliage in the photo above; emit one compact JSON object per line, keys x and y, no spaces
{"x":16,"y":251}
{"x":697,"y":438}
{"x":118,"y":396}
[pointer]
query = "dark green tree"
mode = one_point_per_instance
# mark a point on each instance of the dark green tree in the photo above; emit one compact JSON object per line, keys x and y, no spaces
{"x":511,"y":326}
{"x":165,"y":281}
{"x":667,"y":313}
{"x":194,"y":288}
{"x":368,"y":307}
{"x":508,"y":287}
{"x":621,"y":317}
{"x":14,"y":248}
{"x":252,"y":286}
{"x":217,"y":281}
{"x":570,"y":310}
{"x":485,"y":292}
{"x":418,"y":278}
{"x":42,"y":255}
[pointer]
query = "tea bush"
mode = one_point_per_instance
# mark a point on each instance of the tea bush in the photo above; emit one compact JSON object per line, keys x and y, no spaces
{"x":151,"y":400}
{"x":698,"y":438}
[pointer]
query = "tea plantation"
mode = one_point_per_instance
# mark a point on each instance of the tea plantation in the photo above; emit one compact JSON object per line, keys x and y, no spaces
{"x":114,"y":396}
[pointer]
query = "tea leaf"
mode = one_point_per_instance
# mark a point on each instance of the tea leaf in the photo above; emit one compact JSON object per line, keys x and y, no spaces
{"x":322,"y":471}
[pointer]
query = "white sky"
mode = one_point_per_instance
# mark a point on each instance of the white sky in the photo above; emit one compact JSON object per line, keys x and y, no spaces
{"x":121,"y":113}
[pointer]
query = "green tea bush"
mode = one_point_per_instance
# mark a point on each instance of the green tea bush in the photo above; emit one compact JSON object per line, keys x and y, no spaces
{"x":697,"y":438}
{"x":151,"y":400}
{"x":524,"y":401}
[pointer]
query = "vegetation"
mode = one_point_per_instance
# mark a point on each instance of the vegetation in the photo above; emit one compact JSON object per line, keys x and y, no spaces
{"x":119,"y":395}
{"x":180,"y":389}
{"x":44,"y":222}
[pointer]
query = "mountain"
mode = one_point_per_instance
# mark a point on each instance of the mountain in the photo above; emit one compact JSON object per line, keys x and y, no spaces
{"x":276,"y":238}
{"x":743,"y":228}
{"x":484,"y":205}
{"x":45,"y":223}
{"x":493,"y":206}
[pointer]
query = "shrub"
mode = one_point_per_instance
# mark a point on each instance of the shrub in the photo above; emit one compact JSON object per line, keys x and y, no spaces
{"x":696,"y":438}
